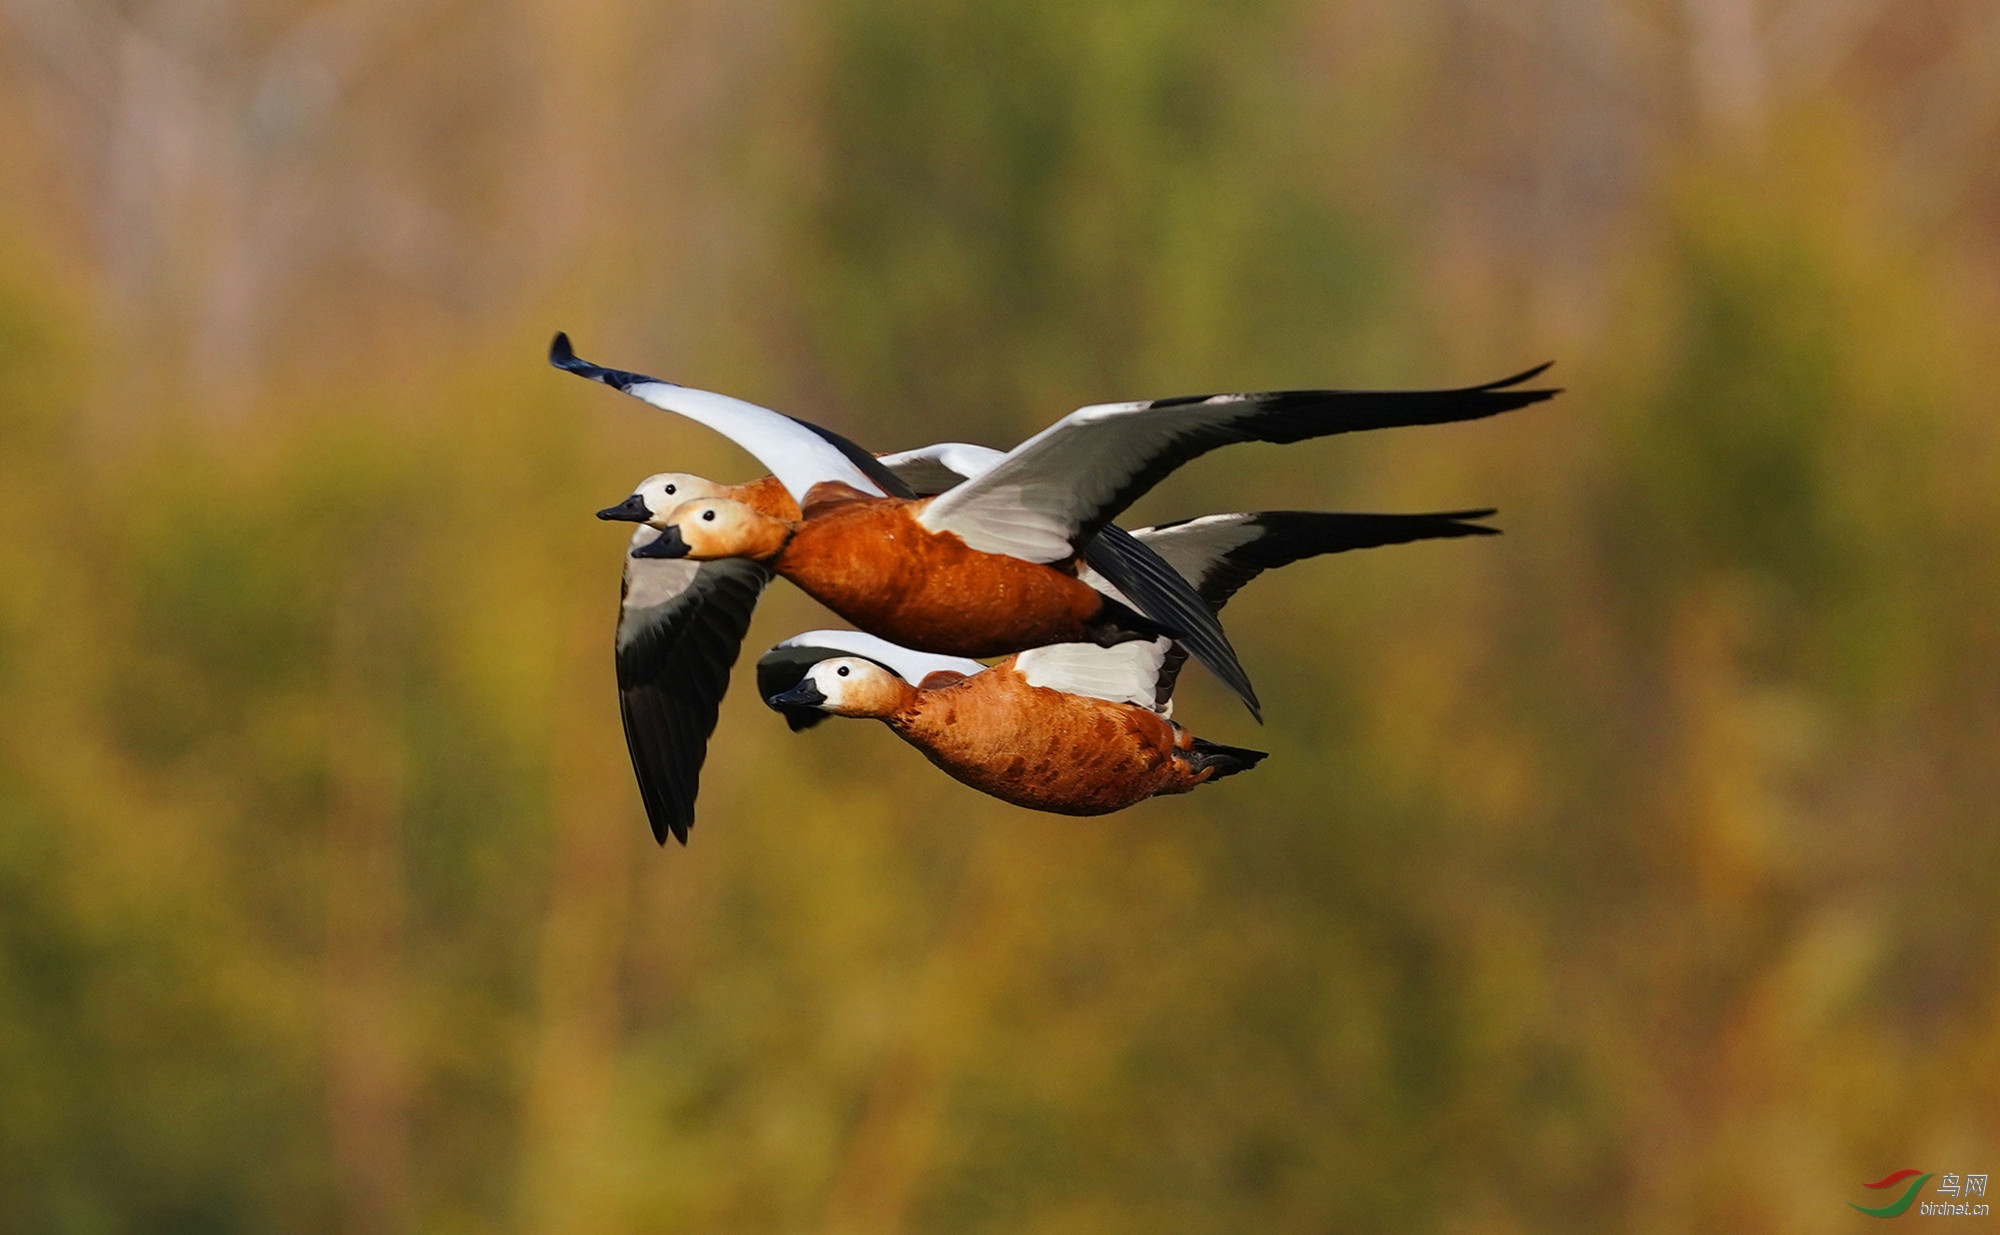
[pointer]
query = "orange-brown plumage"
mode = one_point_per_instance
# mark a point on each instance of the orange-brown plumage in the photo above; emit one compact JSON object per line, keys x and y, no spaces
{"x":869,"y":559}
{"x":1046,"y":749}
{"x":765,"y":496}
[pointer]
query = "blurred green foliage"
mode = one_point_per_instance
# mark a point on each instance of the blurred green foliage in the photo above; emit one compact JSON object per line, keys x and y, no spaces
{"x":1635,"y":872}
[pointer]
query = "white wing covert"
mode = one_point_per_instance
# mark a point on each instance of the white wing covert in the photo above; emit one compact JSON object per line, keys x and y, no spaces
{"x":1061,"y":485}
{"x":799,"y":454}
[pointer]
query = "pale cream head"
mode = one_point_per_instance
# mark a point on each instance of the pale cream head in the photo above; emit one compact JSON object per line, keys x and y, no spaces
{"x":719,"y":527}
{"x":657,"y":495}
{"x":857,"y":687}
{"x":665,"y":490}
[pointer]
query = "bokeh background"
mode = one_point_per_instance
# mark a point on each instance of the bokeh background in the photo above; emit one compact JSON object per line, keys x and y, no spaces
{"x":1634,"y":872}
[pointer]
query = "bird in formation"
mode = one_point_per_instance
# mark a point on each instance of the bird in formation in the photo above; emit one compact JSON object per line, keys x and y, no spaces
{"x":953,"y":554}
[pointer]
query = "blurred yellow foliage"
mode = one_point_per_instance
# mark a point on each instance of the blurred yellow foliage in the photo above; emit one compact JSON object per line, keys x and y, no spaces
{"x":1634,"y":872}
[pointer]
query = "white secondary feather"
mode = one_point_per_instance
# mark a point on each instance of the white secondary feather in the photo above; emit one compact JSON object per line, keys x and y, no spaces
{"x":911,"y":665}
{"x":1032,"y":503}
{"x":1102,"y":584}
{"x":942,"y":465}
{"x":797,"y":456}
{"x":1127,"y":673}
{"x":1194,"y":547}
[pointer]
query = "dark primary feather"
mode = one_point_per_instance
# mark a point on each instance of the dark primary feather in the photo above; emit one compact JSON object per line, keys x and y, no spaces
{"x":1287,"y":536}
{"x":564,"y":357}
{"x":1284,"y":416}
{"x":1161,"y":593}
{"x":673,"y":668}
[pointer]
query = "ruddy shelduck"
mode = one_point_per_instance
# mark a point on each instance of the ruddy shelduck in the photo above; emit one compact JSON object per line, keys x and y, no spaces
{"x":681,"y":624}
{"x":1044,"y":749}
{"x":1072,"y":729}
{"x":800,"y":453}
{"x":871,"y":561}
{"x":989,"y":567}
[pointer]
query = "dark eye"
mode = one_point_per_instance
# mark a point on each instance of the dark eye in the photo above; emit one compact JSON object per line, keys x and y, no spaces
{"x":708,"y":516}
{"x":670,"y":490}
{"x":842,"y":671}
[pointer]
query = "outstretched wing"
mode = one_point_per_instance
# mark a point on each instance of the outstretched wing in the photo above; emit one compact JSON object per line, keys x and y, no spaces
{"x":781,"y":668}
{"x":799,"y":453}
{"x":1060,"y":486}
{"x":680,"y":628}
{"x":1218,"y":554}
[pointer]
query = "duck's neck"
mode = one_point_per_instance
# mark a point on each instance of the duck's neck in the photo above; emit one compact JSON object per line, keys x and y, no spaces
{"x":767,"y":544}
{"x":894,"y":702}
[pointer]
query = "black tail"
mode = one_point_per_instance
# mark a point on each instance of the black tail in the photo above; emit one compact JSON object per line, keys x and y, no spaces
{"x":1226,"y":760}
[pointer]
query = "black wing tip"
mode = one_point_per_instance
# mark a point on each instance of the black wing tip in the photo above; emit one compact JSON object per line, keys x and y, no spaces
{"x":1526,"y":375}
{"x":676,"y":828}
{"x":1280,"y":525}
{"x":1279,"y":520}
{"x":1461,"y":522}
{"x":1507,"y":386}
{"x":563,"y":356}
{"x":1504,"y":386}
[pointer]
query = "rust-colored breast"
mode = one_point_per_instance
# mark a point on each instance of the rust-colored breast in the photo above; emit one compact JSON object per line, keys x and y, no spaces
{"x":870,"y":561}
{"x":1044,"y":749}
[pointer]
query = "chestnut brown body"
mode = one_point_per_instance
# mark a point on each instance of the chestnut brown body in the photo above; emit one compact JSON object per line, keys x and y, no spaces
{"x":870,"y":561}
{"x":1046,"y":749}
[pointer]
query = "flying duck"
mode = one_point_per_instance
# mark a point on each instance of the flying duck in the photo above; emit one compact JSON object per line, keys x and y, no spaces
{"x":988,"y":567}
{"x":1073,"y":729}
{"x":801,"y":454}
{"x":681,"y":624}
